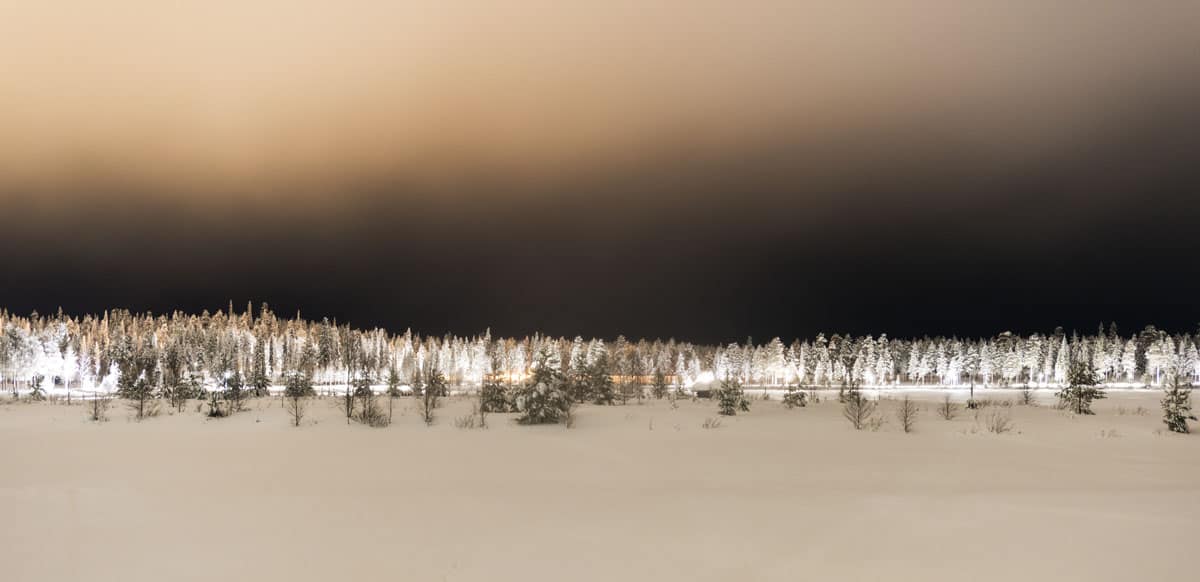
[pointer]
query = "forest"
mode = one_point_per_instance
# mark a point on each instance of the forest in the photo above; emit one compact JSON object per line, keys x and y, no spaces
{"x":92,"y":353}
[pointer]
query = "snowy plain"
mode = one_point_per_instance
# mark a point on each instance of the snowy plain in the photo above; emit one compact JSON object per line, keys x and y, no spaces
{"x":636,"y":492}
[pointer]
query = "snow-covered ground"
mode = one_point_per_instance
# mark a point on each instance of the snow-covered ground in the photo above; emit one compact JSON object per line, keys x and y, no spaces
{"x":637,"y":492}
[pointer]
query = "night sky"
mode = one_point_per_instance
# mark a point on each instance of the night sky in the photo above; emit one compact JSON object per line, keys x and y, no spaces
{"x":700,"y":170}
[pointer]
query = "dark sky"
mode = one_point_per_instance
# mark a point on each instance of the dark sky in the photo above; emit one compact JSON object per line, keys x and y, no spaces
{"x":706,"y":174}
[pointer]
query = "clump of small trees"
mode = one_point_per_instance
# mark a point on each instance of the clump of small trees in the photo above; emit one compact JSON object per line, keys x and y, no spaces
{"x":592,"y":382}
{"x":181,"y":390}
{"x":1177,"y":405}
{"x":365,"y":405}
{"x":731,"y":398}
{"x":1081,"y":389}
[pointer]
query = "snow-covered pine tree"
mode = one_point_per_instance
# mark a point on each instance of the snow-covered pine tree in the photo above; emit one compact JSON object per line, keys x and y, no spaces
{"x":542,"y":399}
{"x":295,"y":396}
{"x":599,"y":380}
{"x":1177,"y":404}
{"x":731,"y":399}
{"x":1081,"y":389}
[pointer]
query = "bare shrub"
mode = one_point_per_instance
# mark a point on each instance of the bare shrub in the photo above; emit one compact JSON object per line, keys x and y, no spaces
{"x":367,"y":405}
{"x":480,"y":410}
{"x":36,"y":392}
{"x":98,"y":408}
{"x":465,"y":422}
{"x":907,"y":414}
{"x":348,"y":404}
{"x":712,"y":422}
{"x":569,"y":415}
{"x":857,"y":408}
{"x":947,"y":409}
{"x":998,"y":423}
{"x":983,"y":403}
{"x":1139,"y":411}
{"x":295,"y":407}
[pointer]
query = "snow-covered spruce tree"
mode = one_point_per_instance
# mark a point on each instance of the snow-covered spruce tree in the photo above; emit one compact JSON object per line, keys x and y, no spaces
{"x":543,"y":398}
{"x":599,"y":381}
{"x":795,"y":398}
{"x":731,"y":399}
{"x":1177,"y":405}
{"x":1081,"y":389}
{"x":493,"y":397}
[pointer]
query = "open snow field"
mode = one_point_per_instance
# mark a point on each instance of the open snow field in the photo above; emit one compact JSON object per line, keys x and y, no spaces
{"x":638,"y":492}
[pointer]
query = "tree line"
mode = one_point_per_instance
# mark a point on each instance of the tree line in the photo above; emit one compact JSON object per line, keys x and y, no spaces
{"x":119,"y":351}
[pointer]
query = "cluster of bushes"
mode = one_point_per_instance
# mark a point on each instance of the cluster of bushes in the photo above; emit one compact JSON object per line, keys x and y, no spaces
{"x":795,"y":399}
